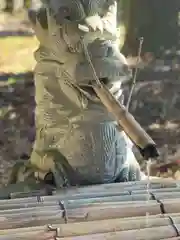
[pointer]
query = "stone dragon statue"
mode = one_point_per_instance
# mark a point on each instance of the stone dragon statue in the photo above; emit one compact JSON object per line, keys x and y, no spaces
{"x":77,"y":140}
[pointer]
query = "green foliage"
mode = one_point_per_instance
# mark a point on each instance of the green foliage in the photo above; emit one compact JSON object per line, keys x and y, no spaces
{"x":11,"y":81}
{"x":27,"y":3}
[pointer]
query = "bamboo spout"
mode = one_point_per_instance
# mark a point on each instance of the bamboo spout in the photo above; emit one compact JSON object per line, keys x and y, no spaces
{"x":128,"y":123}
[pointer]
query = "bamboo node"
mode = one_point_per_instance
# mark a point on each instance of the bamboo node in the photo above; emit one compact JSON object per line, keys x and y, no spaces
{"x":64,"y":214}
{"x":174,"y":226}
{"x":162,"y":208}
{"x":153,"y":197}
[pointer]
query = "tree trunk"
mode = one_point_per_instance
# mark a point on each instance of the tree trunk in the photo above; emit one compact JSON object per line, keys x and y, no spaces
{"x":156,"y":21}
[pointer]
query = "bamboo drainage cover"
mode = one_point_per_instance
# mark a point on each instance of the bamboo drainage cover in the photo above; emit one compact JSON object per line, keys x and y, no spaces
{"x":109,"y":211}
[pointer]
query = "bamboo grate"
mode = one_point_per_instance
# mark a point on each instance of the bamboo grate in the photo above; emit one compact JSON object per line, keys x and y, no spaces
{"x":108,"y":211}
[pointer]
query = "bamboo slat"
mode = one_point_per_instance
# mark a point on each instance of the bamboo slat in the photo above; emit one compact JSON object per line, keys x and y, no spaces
{"x":174,"y":238}
{"x":109,"y":211}
{"x":45,"y":202}
{"x":108,"y":225}
{"x":41,"y":215}
{"x":109,"y":196}
{"x":155,"y":233}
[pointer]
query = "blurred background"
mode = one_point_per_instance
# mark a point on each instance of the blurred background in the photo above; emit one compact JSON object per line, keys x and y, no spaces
{"x":156,"y":99}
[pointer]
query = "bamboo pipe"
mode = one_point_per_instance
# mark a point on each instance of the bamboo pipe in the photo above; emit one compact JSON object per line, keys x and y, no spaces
{"x":32,"y":221}
{"x":37,"y":216}
{"x":156,"y":183}
{"x":76,"y":194}
{"x":85,"y":202}
{"x":142,"y":196}
{"x":99,"y":211}
{"x":46,"y":217}
{"x":50,"y":200}
{"x":73,"y":195}
{"x":86,"y":206}
{"x":112,"y":193}
{"x":76,"y":230}
{"x":22,"y":201}
{"x":30,"y":235}
{"x":174,"y":238}
{"x":159,"y":190}
{"x":109,"y":193}
{"x":47,"y":237}
{"x":103,"y":226}
{"x":155,"y":233}
{"x":120,"y":187}
{"x":110,"y":200}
